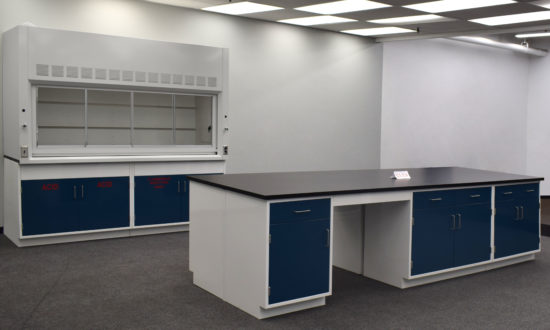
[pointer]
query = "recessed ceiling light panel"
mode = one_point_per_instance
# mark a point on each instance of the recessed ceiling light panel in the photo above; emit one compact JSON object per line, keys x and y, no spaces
{"x":409,"y":19}
{"x":452,"y":5}
{"x":513,"y":19}
{"x":533,"y":35}
{"x":345,"y":6}
{"x":316,"y":20}
{"x":378,"y":31}
{"x":241,"y":8}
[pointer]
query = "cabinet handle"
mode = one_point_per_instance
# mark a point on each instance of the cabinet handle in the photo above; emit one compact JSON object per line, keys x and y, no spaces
{"x":475,"y":196}
{"x":178,"y":186}
{"x":328,"y":238}
{"x":507,"y":193}
{"x":459,"y":221}
{"x":302,"y":211}
{"x":522,"y":217}
{"x":184,"y":186}
{"x":517,"y":212}
{"x":82,"y":191}
{"x":530,"y":190}
{"x":74,"y":192}
{"x":454,"y":222}
{"x":436,"y":199}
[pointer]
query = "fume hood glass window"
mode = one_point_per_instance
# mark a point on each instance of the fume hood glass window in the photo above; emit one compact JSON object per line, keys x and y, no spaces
{"x":193,"y":119}
{"x":153,"y":119}
{"x":98,"y":117}
{"x":60,"y":116}
{"x":109,"y":118}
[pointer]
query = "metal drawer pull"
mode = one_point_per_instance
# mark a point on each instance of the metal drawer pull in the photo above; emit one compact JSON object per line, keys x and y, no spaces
{"x":436,"y":199}
{"x":184,"y":186}
{"x":507,"y":193}
{"x":74,"y":192}
{"x":179,"y":186}
{"x":459,"y":221}
{"x":517,"y":212}
{"x":530,"y":190}
{"x":302,"y":211}
{"x":475,"y":196}
{"x":82,"y":190}
{"x":328,"y":238}
{"x":454,"y":222}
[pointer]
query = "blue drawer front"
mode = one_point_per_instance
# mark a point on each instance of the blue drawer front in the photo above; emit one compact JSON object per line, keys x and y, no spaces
{"x":473,"y":196}
{"x":518,"y":191}
{"x":434,"y":199}
{"x":299,"y":211}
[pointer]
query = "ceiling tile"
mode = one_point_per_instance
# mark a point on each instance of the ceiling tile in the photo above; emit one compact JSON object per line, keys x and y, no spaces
{"x":516,"y":8}
{"x":389,"y":12}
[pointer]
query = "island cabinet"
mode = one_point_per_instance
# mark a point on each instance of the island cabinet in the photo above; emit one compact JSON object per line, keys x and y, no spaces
{"x":451,"y":228}
{"x":517,"y":211}
{"x":161,"y":199}
{"x":299,"y":249}
{"x":72,"y":205}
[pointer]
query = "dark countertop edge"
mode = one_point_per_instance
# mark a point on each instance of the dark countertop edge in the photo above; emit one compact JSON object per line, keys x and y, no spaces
{"x":358,"y":191}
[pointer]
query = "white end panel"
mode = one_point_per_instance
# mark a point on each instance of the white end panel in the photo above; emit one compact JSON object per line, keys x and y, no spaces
{"x":57,"y":55}
{"x":387,"y":242}
{"x":13,"y":59}
{"x":347,"y":244}
{"x":12,"y":200}
{"x":206,"y":246}
{"x":246,"y":250}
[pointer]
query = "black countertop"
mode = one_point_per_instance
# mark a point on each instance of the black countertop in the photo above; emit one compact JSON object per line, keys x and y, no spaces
{"x":307,"y":184}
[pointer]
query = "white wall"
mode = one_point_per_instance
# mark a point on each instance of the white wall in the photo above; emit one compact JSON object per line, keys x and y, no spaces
{"x":538,"y":119}
{"x":447,"y":103}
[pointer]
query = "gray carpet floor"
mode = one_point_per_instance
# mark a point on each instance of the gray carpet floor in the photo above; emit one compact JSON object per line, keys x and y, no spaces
{"x":144,"y":283}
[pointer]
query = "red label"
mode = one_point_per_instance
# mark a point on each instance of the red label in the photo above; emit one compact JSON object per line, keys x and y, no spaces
{"x":159,"y":181}
{"x":104,"y":184}
{"x":50,"y":186}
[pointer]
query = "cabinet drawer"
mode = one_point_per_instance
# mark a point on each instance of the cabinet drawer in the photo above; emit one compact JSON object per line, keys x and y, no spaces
{"x":473,"y":196}
{"x":434,"y":199}
{"x":511,"y":192}
{"x":299,"y":211}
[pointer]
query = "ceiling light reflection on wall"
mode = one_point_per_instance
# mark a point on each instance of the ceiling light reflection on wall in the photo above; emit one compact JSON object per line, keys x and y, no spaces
{"x":533,"y":35}
{"x":378,"y":31}
{"x":452,"y":5}
{"x":345,"y":6}
{"x":241,"y":8}
{"x":316,"y":20}
{"x":513,"y":19}
{"x":408,"y":19}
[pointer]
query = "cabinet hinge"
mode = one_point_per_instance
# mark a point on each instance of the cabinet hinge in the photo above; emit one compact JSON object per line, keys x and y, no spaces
{"x":269,"y":291}
{"x":269,"y":238}
{"x":411,"y":264}
{"x":413,"y":221}
{"x":493,"y":249}
{"x":495,"y":211}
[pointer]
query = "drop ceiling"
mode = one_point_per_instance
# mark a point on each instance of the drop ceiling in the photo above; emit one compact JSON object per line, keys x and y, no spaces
{"x":453,"y":23}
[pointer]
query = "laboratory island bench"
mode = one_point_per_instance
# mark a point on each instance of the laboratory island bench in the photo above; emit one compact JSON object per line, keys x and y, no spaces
{"x":266,"y":242}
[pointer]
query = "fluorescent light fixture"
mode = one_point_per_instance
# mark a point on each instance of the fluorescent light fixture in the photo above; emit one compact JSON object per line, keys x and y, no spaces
{"x":503,"y":45}
{"x":345,"y":6}
{"x":533,"y":35}
{"x":542,"y":3}
{"x":317,"y":20}
{"x":452,"y":5}
{"x":241,"y":8}
{"x":378,"y":31}
{"x":513,"y":19}
{"x":408,"y":19}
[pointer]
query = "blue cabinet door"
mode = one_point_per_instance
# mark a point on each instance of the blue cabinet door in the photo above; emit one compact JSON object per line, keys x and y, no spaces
{"x":432,"y":240}
{"x":299,"y":259}
{"x":104,"y":203}
{"x":517,"y":220}
{"x":161,"y":199}
{"x":49,"y":206}
{"x":472,"y":235}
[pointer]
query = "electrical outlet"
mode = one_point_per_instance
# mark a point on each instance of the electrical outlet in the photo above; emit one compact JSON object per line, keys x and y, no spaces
{"x":24,"y":152}
{"x":225,"y":150}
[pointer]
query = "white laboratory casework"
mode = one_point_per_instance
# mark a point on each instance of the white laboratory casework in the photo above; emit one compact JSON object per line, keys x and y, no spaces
{"x":100,"y":133}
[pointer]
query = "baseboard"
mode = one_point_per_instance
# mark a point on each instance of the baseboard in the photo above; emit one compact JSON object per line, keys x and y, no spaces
{"x":545,"y":230}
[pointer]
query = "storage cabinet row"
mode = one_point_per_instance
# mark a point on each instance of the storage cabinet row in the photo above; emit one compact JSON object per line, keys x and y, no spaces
{"x":72,"y":205}
{"x":450,"y":228}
